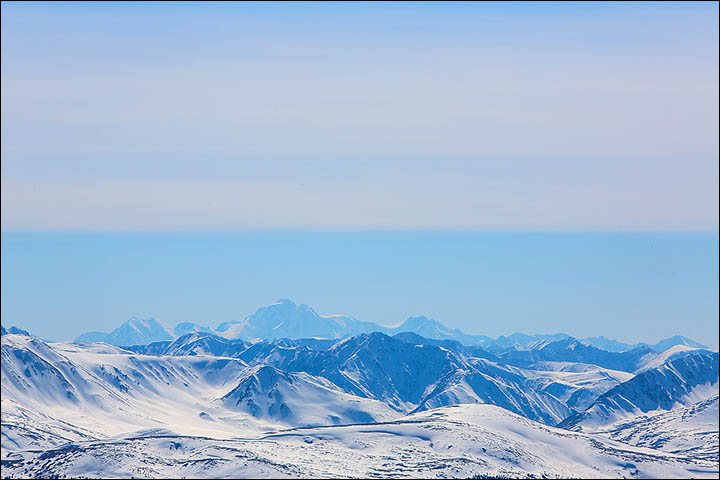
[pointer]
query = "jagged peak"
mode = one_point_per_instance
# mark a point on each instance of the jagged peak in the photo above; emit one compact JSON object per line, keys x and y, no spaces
{"x":569,"y":343}
{"x":263,"y":376}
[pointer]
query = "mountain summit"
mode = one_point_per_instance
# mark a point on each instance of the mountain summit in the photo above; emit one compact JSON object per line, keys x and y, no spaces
{"x":135,"y":331}
{"x":286,"y":319}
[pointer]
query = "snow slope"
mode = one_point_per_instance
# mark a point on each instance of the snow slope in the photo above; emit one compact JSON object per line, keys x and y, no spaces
{"x":106,"y":390}
{"x":576,"y":384}
{"x":689,"y":430}
{"x":671,"y":353}
{"x":300,"y":399}
{"x":479,"y":441}
{"x":677,"y":382}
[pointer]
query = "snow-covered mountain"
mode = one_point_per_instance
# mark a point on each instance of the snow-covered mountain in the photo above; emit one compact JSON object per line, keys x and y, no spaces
{"x":691,"y":429}
{"x":193,"y":404}
{"x":664,"y":345}
{"x":188,"y":327}
{"x":577,"y":385}
{"x":548,"y":381}
{"x":671,"y":353}
{"x":13,"y":329}
{"x":418,"y":377}
{"x":429,"y":328}
{"x":661,"y":346}
{"x":607,"y":344}
{"x":300,"y":399}
{"x":133,"y":332}
{"x":197,"y":343}
{"x":286,"y":319}
{"x":142,"y":331}
{"x":572,"y":350}
{"x":406,"y":376}
{"x":522,"y":341}
{"x":675,"y":383}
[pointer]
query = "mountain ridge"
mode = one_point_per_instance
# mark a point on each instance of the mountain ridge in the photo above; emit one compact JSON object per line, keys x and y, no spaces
{"x":286,"y":319}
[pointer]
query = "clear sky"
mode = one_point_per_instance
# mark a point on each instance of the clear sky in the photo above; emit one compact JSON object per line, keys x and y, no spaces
{"x":414,"y":115}
{"x":228,"y":154}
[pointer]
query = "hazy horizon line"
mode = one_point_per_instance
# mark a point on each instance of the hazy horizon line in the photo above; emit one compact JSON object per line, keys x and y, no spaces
{"x":349,"y":229}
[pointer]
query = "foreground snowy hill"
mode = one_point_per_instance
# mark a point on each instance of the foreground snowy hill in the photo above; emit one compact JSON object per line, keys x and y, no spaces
{"x":691,"y":429}
{"x":461,"y":441}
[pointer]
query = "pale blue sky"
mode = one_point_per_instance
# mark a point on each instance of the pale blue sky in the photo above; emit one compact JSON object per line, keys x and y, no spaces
{"x":240,"y":118}
{"x":451,"y":116}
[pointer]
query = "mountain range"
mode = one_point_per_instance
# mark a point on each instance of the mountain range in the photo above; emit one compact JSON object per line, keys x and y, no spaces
{"x":205,"y":405}
{"x":290,"y":392}
{"x":286,"y":319}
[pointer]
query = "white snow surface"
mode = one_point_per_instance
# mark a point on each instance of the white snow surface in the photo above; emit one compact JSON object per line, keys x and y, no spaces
{"x":691,"y":429}
{"x":95,"y":410}
{"x":672,"y":352}
{"x":458,"y":441}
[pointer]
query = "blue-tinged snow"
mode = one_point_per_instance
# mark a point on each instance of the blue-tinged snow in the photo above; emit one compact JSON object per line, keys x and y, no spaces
{"x":204,"y":405}
{"x":677,"y":382}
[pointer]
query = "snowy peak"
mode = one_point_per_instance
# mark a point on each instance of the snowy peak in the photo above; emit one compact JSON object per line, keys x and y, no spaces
{"x":677,"y":351}
{"x":286,"y":319}
{"x":261,"y":379}
{"x":606,"y":344}
{"x":188,"y":327}
{"x":615,"y":346}
{"x":428,"y":328}
{"x":523,"y":341}
{"x":196,"y":343}
{"x":136,"y":331}
{"x":664,"y":345}
{"x":568,"y":343}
